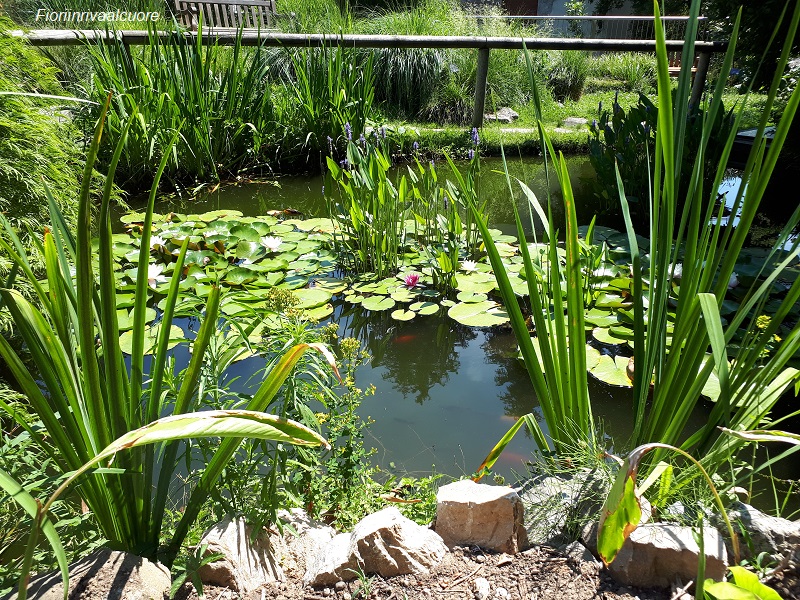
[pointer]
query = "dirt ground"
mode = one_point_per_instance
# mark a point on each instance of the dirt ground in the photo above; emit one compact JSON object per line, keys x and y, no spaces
{"x":536,"y":574}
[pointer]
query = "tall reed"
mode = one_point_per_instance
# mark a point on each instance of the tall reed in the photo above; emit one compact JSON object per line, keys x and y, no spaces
{"x":88,"y":397}
{"x":669,"y":373}
{"x":217,"y":97}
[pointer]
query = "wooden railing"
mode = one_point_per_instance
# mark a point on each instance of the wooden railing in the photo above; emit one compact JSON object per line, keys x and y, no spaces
{"x":614,"y":27}
{"x":71,"y":37}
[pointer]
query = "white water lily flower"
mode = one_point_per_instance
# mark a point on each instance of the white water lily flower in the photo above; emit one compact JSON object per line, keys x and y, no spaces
{"x":156,"y":241}
{"x":271,"y":243}
{"x":469,"y":265}
{"x":604,"y":272}
{"x":677,"y":271}
{"x":154,"y":276}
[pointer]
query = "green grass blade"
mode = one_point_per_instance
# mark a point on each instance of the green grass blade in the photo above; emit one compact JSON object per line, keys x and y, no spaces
{"x":31,"y":506}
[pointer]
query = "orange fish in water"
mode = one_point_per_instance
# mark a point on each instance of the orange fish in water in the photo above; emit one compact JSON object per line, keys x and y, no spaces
{"x":512,"y":458}
{"x":405,"y":339}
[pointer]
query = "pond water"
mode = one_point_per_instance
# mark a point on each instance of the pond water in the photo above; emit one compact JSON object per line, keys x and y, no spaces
{"x":446,"y":393}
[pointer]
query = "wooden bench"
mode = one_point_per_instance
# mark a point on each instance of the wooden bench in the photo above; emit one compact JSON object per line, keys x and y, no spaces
{"x":228,"y":14}
{"x":675,"y":64}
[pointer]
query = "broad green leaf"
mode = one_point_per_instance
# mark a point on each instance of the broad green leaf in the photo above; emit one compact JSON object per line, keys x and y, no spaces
{"x":612,"y":371}
{"x":478,"y":314}
{"x":621,"y":512}
{"x":312,"y":297}
{"x":334,"y":285}
{"x":320,"y":312}
{"x":176,"y":336}
{"x":403,"y":315}
{"x":378,"y":303}
{"x":471,"y":297}
{"x":240,"y":276}
{"x":424,"y":308}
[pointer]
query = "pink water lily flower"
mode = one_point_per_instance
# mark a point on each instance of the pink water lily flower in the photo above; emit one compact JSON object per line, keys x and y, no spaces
{"x":411,"y":280}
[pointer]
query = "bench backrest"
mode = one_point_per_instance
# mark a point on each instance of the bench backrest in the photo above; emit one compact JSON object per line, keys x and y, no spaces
{"x":252,"y":14}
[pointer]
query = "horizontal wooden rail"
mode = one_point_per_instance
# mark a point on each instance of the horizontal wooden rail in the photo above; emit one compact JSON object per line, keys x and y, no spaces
{"x":249,"y":37}
{"x":227,"y":37}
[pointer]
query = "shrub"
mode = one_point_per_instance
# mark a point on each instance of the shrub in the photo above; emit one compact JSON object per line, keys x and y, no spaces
{"x":635,"y":70}
{"x":567,"y":74}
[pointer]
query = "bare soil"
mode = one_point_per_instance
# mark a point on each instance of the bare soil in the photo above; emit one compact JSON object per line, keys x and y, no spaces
{"x":540,"y":573}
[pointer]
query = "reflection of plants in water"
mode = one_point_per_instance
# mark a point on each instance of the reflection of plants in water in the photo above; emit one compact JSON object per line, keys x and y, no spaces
{"x":513,"y":385}
{"x":414,"y":367}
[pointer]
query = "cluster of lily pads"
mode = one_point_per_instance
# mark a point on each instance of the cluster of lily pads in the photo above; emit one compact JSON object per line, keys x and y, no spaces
{"x":249,"y":256}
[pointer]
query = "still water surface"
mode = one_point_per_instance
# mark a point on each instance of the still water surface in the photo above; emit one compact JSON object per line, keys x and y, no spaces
{"x":445,"y":392}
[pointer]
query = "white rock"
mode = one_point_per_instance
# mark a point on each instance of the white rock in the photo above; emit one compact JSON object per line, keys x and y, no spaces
{"x":105,"y":574}
{"x":488,"y":516}
{"x":501,"y":593}
{"x":503,"y":115}
{"x":482,"y":588}
{"x":386,"y":543}
{"x":656,"y":555}
{"x":767,"y":534}
{"x":247,"y":562}
{"x":293,"y":552}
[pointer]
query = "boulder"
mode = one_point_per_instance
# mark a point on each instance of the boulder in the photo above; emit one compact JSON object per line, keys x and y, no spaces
{"x":556,"y":508}
{"x":579,"y":553}
{"x":488,"y":516}
{"x":248,"y":560}
{"x":385,"y":543}
{"x":656,"y":555}
{"x":768,"y":534}
{"x":104,"y":574}
{"x":575,"y":122}
{"x":503,"y":115}
{"x":302,"y":537}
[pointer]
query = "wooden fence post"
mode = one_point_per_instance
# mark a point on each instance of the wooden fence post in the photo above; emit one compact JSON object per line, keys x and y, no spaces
{"x":700,"y":78}
{"x":480,"y":87}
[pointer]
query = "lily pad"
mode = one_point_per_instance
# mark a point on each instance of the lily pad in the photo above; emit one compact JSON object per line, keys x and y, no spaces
{"x":471,"y":297}
{"x":320,"y":312}
{"x":424,"y":308}
{"x":312,"y":297}
{"x":240,"y":276}
{"x":151,"y":333}
{"x":477,"y":283}
{"x":378,"y":303}
{"x":604,"y":335}
{"x":612,"y":371}
{"x":478,"y":314}
{"x":403,"y":315}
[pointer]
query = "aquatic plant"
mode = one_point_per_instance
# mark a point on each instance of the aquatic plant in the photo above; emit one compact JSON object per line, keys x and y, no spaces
{"x":219,"y":99}
{"x":332,"y":88}
{"x":92,"y":405}
{"x":675,"y":367}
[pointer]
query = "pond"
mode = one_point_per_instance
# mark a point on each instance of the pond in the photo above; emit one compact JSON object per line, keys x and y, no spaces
{"x":446,"y":393}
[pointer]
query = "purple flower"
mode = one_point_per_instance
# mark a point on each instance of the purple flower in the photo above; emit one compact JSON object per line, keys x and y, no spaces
{"x":415,"y":146}
{"x":348,"y":132}
{"x":362,"y":140}
{"x":343,"y":163}
{"x":411,"y":280}
{"x":471,"y":154}
{"x":383,"y":133}
{"x":475,"y":137}
{"x":594,"y":124}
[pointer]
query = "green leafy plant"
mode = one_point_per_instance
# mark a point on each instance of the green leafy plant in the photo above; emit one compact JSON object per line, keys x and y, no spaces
{"x":217,"y":97}
{"x":567,"y":74}
{"x":333,"y":87}
{"x":676,"y":368}
{"x":187,"y":568}
{"x":92,"y":404}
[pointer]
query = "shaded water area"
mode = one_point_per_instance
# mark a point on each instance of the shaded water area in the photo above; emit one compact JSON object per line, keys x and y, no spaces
{"x":446,"y":393}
